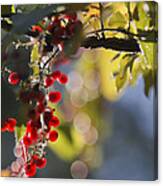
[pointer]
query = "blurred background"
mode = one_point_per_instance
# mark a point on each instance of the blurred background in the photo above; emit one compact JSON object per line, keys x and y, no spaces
{"x":103,"y":135}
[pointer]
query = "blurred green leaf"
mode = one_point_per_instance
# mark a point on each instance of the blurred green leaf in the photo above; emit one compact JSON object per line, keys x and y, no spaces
{"x":20,"y":131}
{"x":66,"y":147}
{"x":7,"y":10}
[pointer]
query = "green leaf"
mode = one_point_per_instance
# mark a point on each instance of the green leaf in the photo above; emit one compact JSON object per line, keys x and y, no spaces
{"x":121,"y":81}
{"x":67,"y":147}
{"x":148,"y":82}
{"x":117,"y":20}
{"x":20,"y":131}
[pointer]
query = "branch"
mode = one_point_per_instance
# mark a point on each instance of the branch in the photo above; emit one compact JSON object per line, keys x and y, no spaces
{"x":146,"y":36}
{"x":128,"y":45}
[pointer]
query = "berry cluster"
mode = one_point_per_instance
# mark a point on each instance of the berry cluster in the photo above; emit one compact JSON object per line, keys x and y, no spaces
{"x":41,"y":123}
{"x":57,"y":30}
{"x":51,"y":34}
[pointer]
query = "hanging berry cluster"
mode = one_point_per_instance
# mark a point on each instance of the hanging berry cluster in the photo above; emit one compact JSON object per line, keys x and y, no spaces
{"x":49,"y":36}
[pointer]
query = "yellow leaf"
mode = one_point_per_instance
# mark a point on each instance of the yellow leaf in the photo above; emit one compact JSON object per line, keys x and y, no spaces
{"x":35,"y":53}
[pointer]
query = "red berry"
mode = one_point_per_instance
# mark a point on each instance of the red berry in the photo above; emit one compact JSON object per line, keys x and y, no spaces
{"x":37,"y":28}
{"x":10,"y":124}
{"x":13,"y":78}
{"x":49,"y":81}
{"x":53,"y":136}
{"x":63,"y":79}
{"x":40,"y":162}
{"x":33,"y":134}
{"x":4,"y":128}
{"x":54,"y":122}
{"x":55,"y":97}
{"x":27,"y":140}
{"x":30,"y":169}
{"x":56,"y":74}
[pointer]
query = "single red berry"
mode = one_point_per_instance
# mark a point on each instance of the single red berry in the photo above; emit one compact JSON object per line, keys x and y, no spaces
{"x":63,"y":79}
{"x":55,"y":97}
{"x":49,"y":81}
{"x":54,"y":122}
{"x":30,"y":169}
{"x":4,"y":128}
{"x":56,"y":74}
{"x":13,"y":78}
{"x":27,"y":140}
{"x":37,"y":28}
{"x":53,"y":136}
{"x":40,"y":162}
{"x":10,"y":124}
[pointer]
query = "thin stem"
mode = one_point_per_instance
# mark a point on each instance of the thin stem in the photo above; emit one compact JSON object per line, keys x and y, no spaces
{"x":130,"y":15}
{"x":101,"y":19}
{"x":51,"y":57}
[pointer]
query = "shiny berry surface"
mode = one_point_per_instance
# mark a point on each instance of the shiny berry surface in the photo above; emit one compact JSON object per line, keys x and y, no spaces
{"x":14,"y":78}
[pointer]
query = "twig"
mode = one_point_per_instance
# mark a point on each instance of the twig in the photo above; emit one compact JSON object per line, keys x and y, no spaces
{"x":51,"y":57}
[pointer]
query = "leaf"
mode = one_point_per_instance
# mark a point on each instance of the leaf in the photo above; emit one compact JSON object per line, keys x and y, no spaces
{"x":66,"y":147}
{"x":117,"y":20}
{"x":148,"y":82}
{"x":7,"y":10}
{"x":35,"y":53}
{"x":136,"y":14}
{"x":121,"y":81}
{"x":20,"y":131}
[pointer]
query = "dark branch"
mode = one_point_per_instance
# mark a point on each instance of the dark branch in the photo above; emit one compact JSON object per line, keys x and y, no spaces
{"x":146,"y":36}
{"x":128,"y":45}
